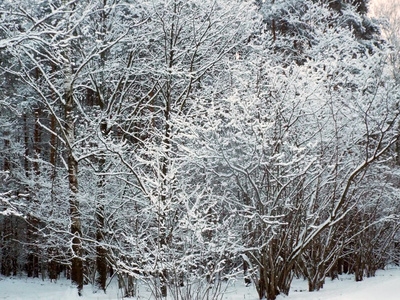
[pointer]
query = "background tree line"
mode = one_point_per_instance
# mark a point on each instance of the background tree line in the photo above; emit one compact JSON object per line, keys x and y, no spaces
{"x":186,"y":143}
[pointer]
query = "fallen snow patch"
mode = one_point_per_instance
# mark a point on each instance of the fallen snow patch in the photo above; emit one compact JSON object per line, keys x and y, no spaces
{"x":386,"y":285}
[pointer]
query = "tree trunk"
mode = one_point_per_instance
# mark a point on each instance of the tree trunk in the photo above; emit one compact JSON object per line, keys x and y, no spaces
{"x":72,"y":163}
{"x":6,"y":166}
{"x":101,"y":252}
{"x":26,"y":146}
{"x":126,"y":283}
{"x":74,"y":213}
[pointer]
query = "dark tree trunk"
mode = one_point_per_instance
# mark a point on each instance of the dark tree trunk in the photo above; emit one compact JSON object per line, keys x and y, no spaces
{"x":26,"y":145}
{"x":101,"y":252}
{"x":36,"y":142}
{"x":6,"y":249}
{"x":126,"y":283}
{"x":6,"y":166}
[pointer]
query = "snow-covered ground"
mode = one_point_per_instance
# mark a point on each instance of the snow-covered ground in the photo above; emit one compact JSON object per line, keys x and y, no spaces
{"x":385,"y":286}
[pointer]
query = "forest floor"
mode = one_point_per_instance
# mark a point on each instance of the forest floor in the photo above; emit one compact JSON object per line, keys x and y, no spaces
{"x":385,"y":286}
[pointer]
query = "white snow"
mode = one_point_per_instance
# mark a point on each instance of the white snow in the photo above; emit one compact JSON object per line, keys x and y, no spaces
{"x":24,"y":288}
{"x":385,"y":285}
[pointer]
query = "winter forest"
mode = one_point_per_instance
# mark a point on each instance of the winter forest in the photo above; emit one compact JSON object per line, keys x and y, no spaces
{"x":180,"y":144}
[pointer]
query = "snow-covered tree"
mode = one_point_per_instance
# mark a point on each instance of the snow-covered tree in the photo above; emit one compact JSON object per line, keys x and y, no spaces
{"x":206,"y":137}
{"x":290,"y":145}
